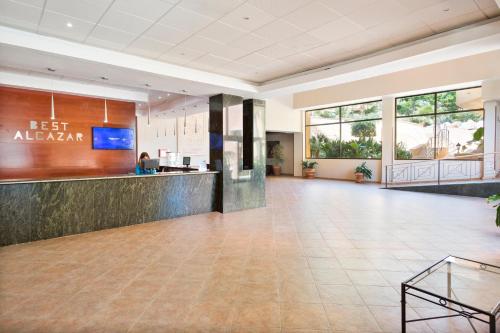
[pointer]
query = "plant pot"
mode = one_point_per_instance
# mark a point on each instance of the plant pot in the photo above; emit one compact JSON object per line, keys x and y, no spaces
{"x":360,"y":178}
{"x":277,"y":170}
{"x":310,"y":173}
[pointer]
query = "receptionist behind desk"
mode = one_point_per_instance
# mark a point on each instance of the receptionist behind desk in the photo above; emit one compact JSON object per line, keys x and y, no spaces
{"x":139,"y":167}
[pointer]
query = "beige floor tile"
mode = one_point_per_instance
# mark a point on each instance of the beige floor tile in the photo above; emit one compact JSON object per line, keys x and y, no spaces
{"x":304,"y":316}
{"x":351,"y":318}
{"x":299,"y":292}
{"x":339,"y":294}
{"x":261,"y":315}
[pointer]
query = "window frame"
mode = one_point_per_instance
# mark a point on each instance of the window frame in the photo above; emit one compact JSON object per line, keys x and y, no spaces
{"x":435,"y":115}
{"x":340,"y":122}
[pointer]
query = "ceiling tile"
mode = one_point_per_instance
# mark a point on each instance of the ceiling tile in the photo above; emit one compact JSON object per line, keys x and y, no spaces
{"x":247,"y":17}
{"x":213,"y":8}
{"x":150,"y":10}
{"x":279,"y":8}
{"x":420,"y":4}
{"x":166,"y":34}
{"x":229,"y":52}
{"x":35,"y":3}
{"x":148,"y":47}
{"x":181,"y":55}
{"x":345,"y":7}
{"x":324,"y":51}
{"x":55,"y":24}
{"x":336,"y":30}
{"x":251,"y":42}
{"x":201,"y":44}
{"x":278,"y":30}
{"x":457,"y":21}
{"x":125,"y":22}
{"x":111,"y":45}
{"x":185,"y":20}
{"x":302,"y":42}
{"x":88,"y":10}
{"x":445,"y":11}
{"x":255,"y":60}
{"x":210,"y":60}
{"x":116,"y":38}
{"x":19,"y":15}
{"x":401,"y":29}
{"x":311,"y":16}
{"x":379,"y":12}
{"x":221,"y":32}
{"x":277,"y":51}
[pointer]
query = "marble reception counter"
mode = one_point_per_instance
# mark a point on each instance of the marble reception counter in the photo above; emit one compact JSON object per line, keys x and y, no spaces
{"x":33,"y":210}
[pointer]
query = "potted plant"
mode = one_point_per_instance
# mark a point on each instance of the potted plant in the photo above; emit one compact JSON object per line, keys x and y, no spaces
{"x":495,"y":201}
{"x":362,"y":172}
{"x":277,"y":154}
{"x":309,"y":168}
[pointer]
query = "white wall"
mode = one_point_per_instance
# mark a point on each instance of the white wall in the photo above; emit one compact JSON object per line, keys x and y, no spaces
{"x":344,"y":168}
{"x":281,"y":116}
{"x":160,"y":135}
{"x":287,"y":141}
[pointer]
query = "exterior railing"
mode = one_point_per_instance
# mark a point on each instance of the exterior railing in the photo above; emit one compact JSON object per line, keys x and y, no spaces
{"x":465,"y":168}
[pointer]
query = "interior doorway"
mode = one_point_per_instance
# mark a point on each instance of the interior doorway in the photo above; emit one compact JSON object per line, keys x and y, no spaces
{"x":286,"y":140}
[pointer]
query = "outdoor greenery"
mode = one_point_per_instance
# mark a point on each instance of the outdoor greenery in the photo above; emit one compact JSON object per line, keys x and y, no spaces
{"x":364,"y":170}
{"x":364,"y":129}
{"x":306,"y":164}
{"x":277,"y":153}
{"x":323,"y":147}
{"x":495,"y":200}
{"x":478,"y":134}
{"x":401,"y":152}
{"x":424,"y":105}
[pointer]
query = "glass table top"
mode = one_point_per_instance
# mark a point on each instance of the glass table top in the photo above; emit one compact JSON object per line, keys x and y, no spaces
{"x":466,"y":281}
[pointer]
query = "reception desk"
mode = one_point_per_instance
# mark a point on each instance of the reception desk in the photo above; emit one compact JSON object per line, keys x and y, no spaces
{"x":42,"y":209}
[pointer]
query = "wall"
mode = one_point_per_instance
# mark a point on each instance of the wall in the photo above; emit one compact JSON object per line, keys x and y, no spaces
{"x":168,"y":133}
{"x":66,"y":151}
{"x":344,"y":169}
{"x":281,"y":116}
{"x":468,"y":69}
{"x":287,"y":141}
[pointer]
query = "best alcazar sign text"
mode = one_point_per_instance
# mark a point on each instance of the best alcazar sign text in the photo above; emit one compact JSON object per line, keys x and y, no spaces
{"x":48,"y":131}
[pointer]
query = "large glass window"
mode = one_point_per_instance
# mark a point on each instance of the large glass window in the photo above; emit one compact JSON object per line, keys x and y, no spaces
{"x":440,"y":125}
{"x":350,"y":131}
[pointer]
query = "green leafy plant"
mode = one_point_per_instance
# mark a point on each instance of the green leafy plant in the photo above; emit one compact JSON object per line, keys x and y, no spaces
{"x":401,"y":152}
{"x":277,"y":154}
{"x":306,"y":164}
{"x":364,"y":129}
{"x":478,"y":134}
{"x":364,"y":170}
{"x":495,"y":200}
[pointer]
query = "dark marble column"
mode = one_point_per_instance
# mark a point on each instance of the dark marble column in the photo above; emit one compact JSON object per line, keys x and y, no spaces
{"x":241,"y":185}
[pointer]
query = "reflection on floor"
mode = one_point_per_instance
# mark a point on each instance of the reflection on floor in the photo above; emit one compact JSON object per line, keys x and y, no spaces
{"x":323,"y":256}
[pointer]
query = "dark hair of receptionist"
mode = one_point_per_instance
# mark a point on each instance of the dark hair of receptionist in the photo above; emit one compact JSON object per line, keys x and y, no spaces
{"x":143,"y":155}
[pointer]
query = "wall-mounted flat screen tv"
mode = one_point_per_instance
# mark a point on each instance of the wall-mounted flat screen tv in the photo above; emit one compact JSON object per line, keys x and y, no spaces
{"x":112,"y":138}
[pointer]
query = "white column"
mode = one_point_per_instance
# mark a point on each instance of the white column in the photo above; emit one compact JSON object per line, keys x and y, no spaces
{"x":491,"y":97}
{"x":490,"y":109}
{"x":298,"y":153}
{"x":387,"y":133}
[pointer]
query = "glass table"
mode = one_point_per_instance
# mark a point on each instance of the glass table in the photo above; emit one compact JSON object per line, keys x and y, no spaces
{"x":467,"y":288}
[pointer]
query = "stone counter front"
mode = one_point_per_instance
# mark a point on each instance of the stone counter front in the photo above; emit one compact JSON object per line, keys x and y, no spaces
{"x":31,"y":211}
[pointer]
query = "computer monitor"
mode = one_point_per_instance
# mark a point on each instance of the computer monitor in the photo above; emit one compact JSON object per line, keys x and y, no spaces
{"x":186,"y":160}
{"x":151,"y":164}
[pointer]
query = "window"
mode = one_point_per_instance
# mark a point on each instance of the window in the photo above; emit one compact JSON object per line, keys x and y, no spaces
{"x":440,"y":125}
{"x":350,"y":131}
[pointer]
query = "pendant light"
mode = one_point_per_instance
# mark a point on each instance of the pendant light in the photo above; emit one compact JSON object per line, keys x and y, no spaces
{"x":105,"y":111}
{"x":149,"y":115}
{"x":175,"y":122}
{"x":185,"y":114}
{"x":52,"y":109}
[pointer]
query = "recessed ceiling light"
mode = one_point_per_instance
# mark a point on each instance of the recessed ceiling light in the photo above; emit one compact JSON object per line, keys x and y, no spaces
{"x":50,"y":69}
{"x":246,"y":18}
{"x":168,"y":94}
{"x":184,"y":90}
{"x":104,"y":78}
{"x":446,"y":10}
{"x":147,"y":85}
{"x":69,"y":25}
{"x":159,"y":97}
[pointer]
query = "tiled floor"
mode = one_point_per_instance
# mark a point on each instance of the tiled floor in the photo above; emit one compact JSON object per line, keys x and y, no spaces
{"x":323,"y":256}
